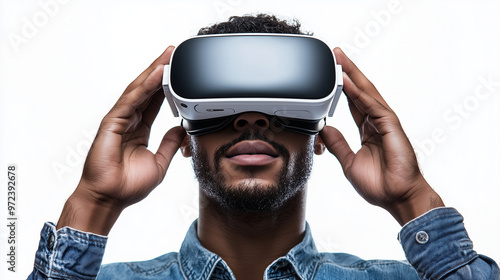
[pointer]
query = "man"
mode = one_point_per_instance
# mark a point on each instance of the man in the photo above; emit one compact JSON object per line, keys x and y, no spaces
{"x":252,"y":180}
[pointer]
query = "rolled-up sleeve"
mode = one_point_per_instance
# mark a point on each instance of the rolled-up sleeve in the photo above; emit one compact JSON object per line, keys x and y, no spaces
{"x":437,"y":245}
{"x":68,"y":254}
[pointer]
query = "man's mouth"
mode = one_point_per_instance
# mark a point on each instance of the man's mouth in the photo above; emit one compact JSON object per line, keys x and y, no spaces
{"x":252,"y":153}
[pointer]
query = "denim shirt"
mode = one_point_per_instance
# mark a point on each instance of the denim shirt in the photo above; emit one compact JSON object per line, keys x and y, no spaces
{"x":436,"y":246}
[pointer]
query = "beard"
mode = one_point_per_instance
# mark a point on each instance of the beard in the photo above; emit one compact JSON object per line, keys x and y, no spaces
{"x":251,"y":196}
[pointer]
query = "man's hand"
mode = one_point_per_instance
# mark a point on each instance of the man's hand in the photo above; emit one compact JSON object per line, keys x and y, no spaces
{"x":119,"y":169}
{"x":384,"y":171}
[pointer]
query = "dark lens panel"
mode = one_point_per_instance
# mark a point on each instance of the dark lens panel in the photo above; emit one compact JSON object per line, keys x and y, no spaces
{"x":253,"y":66}
{"x":200,"y":127}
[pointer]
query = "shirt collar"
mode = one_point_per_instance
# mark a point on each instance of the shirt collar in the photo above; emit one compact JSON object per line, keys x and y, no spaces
{"x":199,"y":263}
{"x":303,"y":258}
{"x":196,"y":261}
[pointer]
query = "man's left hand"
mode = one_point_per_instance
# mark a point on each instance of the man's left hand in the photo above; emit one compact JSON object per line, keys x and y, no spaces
{"x":384,"y":171}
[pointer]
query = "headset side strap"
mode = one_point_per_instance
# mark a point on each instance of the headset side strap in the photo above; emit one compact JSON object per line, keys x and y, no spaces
{"x":166,"y":90}
{"x":340,"y":85}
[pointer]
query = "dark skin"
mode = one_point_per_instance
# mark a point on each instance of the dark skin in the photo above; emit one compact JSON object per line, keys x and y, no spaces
{"x":249,"y":242}
{"x":120,"y":171}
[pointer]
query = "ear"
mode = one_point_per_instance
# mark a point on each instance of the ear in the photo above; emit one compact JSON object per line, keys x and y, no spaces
{"x":319,"y":145}
{"x":186,"y":146}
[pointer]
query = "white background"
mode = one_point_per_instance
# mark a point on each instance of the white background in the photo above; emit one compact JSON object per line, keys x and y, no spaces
{"x":63,"y":64}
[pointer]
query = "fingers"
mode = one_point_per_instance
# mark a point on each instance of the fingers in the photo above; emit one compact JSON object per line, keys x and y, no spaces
{"x":168,"y":147}
{"x":128,"y":109}
{"x":338,"y":146}
{"x":151,"y":84}
{"x":140,"y":94}
{"x":139,"y":101}
{"x":150,"y":113}
{"x":364,"y":103}
{"x":163,"y":59}
{"x":357,"y":77}
{"x":364,"y":99}
{"x":357,"y":114}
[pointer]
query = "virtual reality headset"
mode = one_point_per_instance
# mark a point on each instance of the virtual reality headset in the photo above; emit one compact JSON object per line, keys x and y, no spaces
{"x":293,"y":79}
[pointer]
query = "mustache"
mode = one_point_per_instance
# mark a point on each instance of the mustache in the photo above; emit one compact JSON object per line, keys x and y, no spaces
{"x":250,"y":135}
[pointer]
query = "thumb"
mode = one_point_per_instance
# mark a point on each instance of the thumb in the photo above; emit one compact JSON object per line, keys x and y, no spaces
{"x":338,"y":146}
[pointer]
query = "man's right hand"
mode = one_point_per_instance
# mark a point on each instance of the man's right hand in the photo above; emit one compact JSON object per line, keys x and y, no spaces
{"x":119,"y":170}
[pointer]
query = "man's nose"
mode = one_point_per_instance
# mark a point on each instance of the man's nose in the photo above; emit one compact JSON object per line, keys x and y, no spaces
{"x":249,"y":121}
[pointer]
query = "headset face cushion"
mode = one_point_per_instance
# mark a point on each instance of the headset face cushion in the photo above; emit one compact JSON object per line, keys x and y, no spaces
{"x":307,"y":127}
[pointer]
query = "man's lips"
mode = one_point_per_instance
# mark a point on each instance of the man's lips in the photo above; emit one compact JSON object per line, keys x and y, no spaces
{"x":252,"y":153}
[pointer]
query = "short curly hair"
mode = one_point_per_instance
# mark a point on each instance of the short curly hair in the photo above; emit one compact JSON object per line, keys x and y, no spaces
{"x":260,"y":23}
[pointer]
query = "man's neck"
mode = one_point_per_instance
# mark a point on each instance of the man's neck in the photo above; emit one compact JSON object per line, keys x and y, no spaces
{"x":249,"y":243}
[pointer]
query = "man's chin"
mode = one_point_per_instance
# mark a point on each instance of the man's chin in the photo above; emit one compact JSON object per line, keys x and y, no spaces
{"x":249,"y":184}
{"x":247,"y":197}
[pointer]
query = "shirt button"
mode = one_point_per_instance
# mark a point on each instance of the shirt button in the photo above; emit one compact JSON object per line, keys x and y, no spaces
{"x":51,"y":241}
{"x":422,"y":237}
